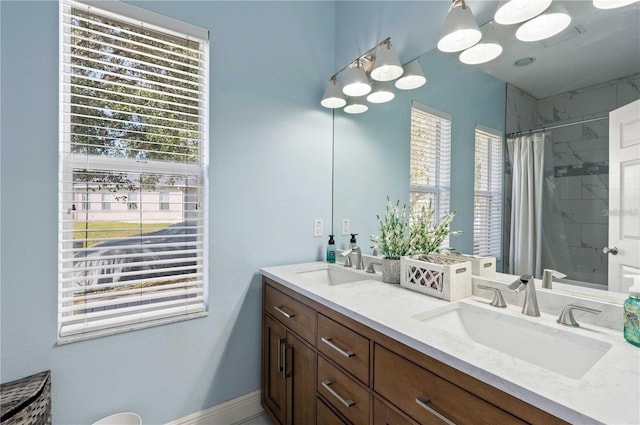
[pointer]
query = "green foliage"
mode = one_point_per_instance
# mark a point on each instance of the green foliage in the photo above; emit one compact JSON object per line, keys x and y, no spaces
{"x":399,"y":236}
{"x":426,"y":237}
{"x":393,"y":240}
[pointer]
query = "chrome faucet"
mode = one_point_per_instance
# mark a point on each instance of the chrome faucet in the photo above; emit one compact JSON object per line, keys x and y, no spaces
{"x":548,"y":275}
{"x":530,"y":304}
{"x":359,"y":260}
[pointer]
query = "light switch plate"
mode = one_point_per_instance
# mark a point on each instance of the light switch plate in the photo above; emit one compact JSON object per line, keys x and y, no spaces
{"x":345,"y":227}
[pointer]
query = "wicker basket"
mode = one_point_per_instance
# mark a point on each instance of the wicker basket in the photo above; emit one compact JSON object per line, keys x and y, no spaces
{"x":442,"y":278}
{"x":26,"y":401}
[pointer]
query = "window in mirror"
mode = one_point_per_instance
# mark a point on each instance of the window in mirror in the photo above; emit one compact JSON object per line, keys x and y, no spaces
{"x":430,"y":161}
{"x":487,"y":201}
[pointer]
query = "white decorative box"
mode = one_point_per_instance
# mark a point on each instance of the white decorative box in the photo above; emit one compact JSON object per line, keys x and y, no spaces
{"x":442,"y":278}
{"x":480,"y":266}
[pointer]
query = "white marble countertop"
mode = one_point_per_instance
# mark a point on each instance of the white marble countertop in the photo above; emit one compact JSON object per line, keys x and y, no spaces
{"x":608,"y":393}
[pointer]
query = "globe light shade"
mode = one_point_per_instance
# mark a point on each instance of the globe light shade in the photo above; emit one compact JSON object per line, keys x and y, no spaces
{"x":516,"y":11}
{"x":460,"y":29}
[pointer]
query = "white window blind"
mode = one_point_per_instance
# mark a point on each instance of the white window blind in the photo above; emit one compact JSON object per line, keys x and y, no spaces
{"x":487,"y":205}
{"x":430,"y":161}
{"x":133,"y":160}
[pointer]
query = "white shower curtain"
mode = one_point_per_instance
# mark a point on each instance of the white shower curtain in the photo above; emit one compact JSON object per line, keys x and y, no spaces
{"x":527,"y":159}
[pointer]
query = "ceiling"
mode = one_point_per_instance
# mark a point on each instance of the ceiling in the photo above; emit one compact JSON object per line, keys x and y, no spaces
{"x":598,"y":46}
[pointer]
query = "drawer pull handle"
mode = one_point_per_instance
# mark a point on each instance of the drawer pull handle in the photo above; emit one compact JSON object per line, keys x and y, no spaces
{"x":327,"y":341}
{"x":284,"y":313}
{"x":423,"y":402}
{"x":327,"y":384}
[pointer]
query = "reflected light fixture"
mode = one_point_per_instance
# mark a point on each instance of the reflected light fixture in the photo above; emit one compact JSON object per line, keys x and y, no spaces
{"x":382,"y":68}
{"x":460,"y":29}
{"x":381,"y":92}
{"x":611,"y":4}
{"x":356,"y":82}
{"x":516,"y":11}
{"x":412,"y":77}
{"x":387,"y":66}
{"x":550,"y":23}
{"x":356,"y":105}
{"x":486,"y":50}
{"x":333,"y":97}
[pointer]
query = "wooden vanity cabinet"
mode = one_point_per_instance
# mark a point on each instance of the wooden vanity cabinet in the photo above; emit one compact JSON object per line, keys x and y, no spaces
{"x":288,"y":365}
{"x":324,"y":368}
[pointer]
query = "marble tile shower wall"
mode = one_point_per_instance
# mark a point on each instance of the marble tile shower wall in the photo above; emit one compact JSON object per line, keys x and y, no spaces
{"x":581,"y":162}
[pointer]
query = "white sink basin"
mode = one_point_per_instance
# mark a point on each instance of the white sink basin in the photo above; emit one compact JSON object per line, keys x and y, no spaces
{"x":333,"y":274}
{"x":550,"y":347}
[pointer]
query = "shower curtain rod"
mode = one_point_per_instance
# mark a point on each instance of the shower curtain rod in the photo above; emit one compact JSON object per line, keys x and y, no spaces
{"x":518,"y":133}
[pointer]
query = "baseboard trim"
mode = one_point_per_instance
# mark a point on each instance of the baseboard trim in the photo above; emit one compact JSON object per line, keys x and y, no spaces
{"x":227,"y":413}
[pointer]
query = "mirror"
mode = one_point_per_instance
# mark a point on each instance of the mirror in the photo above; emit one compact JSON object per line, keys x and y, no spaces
{"x":371,"y":150}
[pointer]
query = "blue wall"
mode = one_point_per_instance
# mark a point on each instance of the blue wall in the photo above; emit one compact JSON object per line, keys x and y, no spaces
{"x":270,"y":145}
{"x":269,"y":178}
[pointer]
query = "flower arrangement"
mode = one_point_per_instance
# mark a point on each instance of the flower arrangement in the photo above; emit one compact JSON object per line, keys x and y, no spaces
{"x":401,"y":236}
{"x":393,"y":240}
{"x":426,"y":237}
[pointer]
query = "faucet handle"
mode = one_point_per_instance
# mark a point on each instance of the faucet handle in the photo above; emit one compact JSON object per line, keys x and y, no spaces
{"x":498,"y":299}
{"x":566,"y":316}
{"x":371,"y":268}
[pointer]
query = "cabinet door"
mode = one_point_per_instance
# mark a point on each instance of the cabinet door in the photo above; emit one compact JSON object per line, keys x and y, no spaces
{"x":301,"y":376}
{"x":274,"y":384}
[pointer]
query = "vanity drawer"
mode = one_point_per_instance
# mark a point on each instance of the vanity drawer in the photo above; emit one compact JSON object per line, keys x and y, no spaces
{"x":384,"y":415}
{"x":293,"y":314}
{"x":428,"y":398}
{"x":326,"y":416}
{"x":348,"y":396}
{"x":344,"y":346}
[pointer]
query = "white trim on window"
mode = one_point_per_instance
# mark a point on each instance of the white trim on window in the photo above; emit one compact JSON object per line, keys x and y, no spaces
{"x":133,"y":120}
{"x":430,"y":175}
{"x":487,"y":204}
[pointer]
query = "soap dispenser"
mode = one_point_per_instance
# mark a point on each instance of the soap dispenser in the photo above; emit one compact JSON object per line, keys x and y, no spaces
{"x":331,"y":250}
{"x":632,"y":312}
{"x":352,"y":242}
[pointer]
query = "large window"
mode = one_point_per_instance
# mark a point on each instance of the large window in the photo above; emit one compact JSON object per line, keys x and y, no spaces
{"x":430,"y":161}
{"x":487,"y":203}
{"x":133,"y":127}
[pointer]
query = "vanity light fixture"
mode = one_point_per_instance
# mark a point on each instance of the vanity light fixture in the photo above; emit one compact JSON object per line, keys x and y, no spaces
{"x":383,"y":68}
{"x":356,"y":82}
{"x":486,"y":50}
{"x":611,"y":4}
{"x":381,"y":92}
{"x":387,"y":66}
{"x":550,"y":23}
{"x":460,"y":29}
{"x":516,"y":11}
{"x":356,"y":105}
{"x":412,"y":78}
{"x":333,"y":97}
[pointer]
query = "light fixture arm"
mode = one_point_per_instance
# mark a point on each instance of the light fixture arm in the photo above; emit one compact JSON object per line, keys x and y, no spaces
{"x":359,"y":58}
